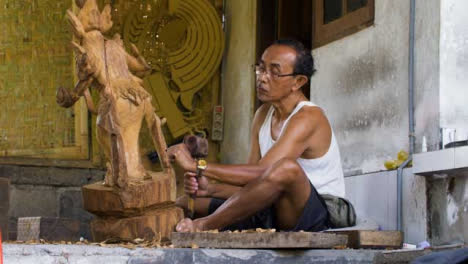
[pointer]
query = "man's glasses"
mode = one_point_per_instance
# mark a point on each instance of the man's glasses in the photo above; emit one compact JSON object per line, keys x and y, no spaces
{"x":261,"y":69}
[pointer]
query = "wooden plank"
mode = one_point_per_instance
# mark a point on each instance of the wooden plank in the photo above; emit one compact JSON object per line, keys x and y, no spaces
{"x":48,"y":228}
{"x":106,"y":201}
{"x":259,"y":240}
{"x":372,"y":238}
{"x":157,"y":223}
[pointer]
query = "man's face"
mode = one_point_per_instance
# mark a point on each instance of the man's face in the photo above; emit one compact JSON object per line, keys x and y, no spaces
{"x":277,"y":60}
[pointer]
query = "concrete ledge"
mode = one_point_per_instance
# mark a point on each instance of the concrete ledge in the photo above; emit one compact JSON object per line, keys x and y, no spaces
{"x":54,"y":176}
{"x":441,"y":161}
{"x":25,"y":254}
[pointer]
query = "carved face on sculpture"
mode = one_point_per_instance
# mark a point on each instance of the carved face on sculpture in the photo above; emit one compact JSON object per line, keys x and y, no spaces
{"x":91,"y":18}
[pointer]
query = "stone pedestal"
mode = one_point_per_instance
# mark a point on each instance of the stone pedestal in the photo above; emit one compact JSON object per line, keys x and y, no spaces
{"x":145,"y":209}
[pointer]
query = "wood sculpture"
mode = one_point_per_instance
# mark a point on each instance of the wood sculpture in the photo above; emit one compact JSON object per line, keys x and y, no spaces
{"x":129,"y":203}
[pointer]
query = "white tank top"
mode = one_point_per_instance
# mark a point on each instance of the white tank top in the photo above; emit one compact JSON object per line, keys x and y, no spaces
{"x":325,"y":173}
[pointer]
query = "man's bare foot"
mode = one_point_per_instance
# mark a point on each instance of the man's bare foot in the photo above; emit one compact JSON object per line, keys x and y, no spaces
{"x":187,"y":225}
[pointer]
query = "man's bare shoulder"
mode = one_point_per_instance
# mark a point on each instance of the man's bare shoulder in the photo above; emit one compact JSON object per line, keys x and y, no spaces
{"x":310,"y":117}
{"x":310,"y":128}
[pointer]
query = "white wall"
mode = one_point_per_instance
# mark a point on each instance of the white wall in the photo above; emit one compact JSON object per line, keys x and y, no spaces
{"x":454,"y":65}
{"x":362,"y":83}
{"x":426,"y":74}
{"x":374,"y":197}
{"x":448,"y":204}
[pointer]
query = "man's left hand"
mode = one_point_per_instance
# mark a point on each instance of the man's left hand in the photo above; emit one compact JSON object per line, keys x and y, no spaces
{"x":180,"y":155}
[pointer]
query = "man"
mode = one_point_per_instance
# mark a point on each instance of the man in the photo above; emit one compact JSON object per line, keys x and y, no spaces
{"x":293,"y":156}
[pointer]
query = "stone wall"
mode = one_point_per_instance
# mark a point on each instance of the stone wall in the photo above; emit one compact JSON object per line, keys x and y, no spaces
{"x":48,"y":191}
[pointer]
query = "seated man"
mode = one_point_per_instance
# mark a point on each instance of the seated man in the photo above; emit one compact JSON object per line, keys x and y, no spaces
{"x":294,"y":158}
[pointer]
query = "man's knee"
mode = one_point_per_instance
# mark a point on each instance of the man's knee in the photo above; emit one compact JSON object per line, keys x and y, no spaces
{"x":285,"y":172}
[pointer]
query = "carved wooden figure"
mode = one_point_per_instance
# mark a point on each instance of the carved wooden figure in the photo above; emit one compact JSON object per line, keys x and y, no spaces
{"x":105,"y":65}
{"x":141,"y":202}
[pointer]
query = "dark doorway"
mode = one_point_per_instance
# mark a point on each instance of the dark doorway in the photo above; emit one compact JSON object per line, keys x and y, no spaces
{"x":280,"y":19}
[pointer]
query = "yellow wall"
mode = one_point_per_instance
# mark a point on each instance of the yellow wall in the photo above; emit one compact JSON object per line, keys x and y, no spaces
{"x":35,"y":58}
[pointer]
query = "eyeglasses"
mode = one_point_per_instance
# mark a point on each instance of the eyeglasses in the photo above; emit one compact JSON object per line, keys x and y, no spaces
{"x":261,"y":69}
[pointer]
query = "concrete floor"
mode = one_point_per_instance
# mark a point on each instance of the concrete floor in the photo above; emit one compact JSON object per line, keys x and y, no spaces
{"x":87,"y":254}
{"x":38,"y":254}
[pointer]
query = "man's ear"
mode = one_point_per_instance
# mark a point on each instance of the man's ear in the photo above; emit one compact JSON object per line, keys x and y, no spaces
{"x":301,"y":80}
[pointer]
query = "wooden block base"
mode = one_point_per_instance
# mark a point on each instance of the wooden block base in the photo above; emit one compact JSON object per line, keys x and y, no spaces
{"x":153,"y":224}
{"x":160,"y":191}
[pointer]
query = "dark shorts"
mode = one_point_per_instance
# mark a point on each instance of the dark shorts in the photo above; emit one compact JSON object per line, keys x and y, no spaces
{"x":314,"y":218}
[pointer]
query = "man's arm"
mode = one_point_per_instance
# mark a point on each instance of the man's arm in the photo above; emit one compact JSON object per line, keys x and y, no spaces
{"x":241,"y":174}
{"x":295,"y":139}
{"x":203,"y":188}
{"x":224,"y":190}
{"x":238,"y":175}
{"x":309,"y":127}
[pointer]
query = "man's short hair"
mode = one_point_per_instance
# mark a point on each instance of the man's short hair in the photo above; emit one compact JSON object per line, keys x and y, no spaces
{"x":304,"y":63}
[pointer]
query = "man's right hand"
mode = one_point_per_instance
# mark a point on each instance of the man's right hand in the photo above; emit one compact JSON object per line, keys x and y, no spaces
{"x":192,"y":186}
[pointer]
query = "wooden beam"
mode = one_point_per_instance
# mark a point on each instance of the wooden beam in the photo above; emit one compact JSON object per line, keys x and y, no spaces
{"x":259,"y":240}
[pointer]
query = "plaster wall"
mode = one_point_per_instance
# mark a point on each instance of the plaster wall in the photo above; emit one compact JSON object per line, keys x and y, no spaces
{"x":448,"y":192}
{"x":426,"y":74}
{"x":238,"y":79}
{"x":454,"y":67}
{"x":362,"y":84}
